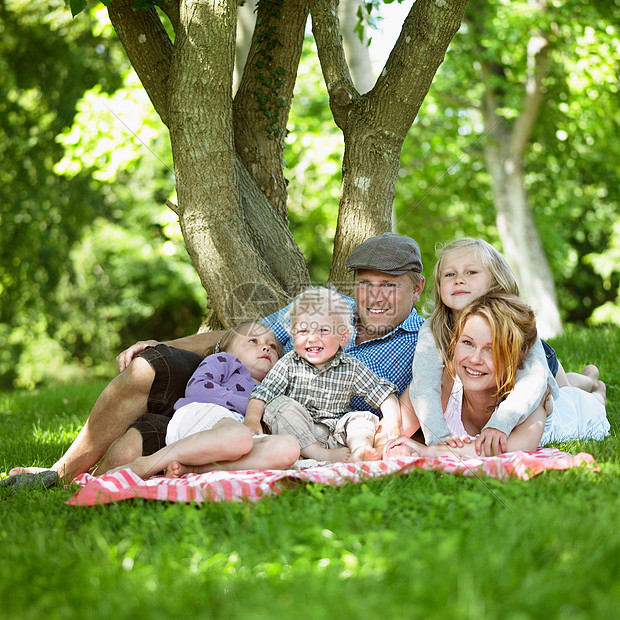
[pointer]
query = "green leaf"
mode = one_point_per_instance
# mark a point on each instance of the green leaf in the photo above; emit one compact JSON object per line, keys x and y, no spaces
{"x":77,"y":6}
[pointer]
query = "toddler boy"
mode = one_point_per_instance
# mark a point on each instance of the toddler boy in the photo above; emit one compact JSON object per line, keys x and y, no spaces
{"x":307,"y":393}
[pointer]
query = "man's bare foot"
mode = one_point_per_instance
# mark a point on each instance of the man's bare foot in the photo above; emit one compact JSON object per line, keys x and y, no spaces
{"x":364,"y":453}
{"x":27,"y":470}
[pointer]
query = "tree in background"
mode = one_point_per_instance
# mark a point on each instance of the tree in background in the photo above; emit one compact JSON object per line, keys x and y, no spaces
{"x":529,"y":89}
{"x":75,"y":284}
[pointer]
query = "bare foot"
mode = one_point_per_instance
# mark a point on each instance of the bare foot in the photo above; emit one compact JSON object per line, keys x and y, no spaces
{"x":138,"y":467}
{"x":337,"y":455}
{"x":398,"y":451}
{"x":318,"y":453}
{"x":364,"y":453}
{"x":27,"y":470}
{"x":601,"y":392}
{"x":176,"y":470}
{"x":591,"y":371}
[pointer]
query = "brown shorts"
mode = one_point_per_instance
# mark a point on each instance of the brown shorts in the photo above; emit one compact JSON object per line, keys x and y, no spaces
{"x":173,"y":369}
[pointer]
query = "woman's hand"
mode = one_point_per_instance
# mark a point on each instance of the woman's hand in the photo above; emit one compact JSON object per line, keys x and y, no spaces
{"x":124,"y":359}
{"x":455,"y":441}
{"x":491,"y":442}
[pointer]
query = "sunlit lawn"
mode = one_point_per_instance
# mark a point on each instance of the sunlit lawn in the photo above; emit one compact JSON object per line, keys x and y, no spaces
{"x":424,"y":545}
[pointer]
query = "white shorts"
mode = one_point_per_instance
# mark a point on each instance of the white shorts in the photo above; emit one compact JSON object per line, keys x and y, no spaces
{"x":195,"y":417}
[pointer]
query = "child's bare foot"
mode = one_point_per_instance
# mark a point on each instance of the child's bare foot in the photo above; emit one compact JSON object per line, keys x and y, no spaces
{"x":586,"y":380}
{"x":363,"y":453}
{"x":398,"y":451}
{"x":140,"y":467}
{"x":318,"y":453}
{"x":337,"y":455}
{"x":601,"y":392}
{"x":176,"y":470}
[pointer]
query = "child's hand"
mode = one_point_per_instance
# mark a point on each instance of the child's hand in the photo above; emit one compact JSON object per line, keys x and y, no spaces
{"x":254,"y":426}
{"x":491,"y":442}
{"x":401,"y":446}
{"x":454,"y":442}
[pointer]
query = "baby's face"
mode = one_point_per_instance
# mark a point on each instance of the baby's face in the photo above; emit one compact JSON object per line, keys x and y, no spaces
{"x":318,"y":335}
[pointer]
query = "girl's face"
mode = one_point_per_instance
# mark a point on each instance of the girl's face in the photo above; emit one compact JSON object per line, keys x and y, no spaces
{"x":462,"y":279}
{"x":256,"y":347}
{"x":473,"y":356}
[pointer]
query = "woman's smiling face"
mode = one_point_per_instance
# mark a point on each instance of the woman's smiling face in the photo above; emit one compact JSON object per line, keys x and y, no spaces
{"x":473,"y":356}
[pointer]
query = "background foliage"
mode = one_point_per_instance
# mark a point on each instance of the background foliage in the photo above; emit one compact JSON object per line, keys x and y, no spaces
{"x":92,"y":259}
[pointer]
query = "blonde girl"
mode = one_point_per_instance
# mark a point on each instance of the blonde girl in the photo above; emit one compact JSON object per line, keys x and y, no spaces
{"x":465,"y":270}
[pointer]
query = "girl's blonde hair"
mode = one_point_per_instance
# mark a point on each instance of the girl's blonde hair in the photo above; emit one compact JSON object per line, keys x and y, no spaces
{"x":513,"y":326}
{"x":224,"y":344}
{"x":503,"y":280}
{"x":321,"y":301}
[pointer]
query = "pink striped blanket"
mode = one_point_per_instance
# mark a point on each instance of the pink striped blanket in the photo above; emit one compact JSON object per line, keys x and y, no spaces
{"x":253,"y":485}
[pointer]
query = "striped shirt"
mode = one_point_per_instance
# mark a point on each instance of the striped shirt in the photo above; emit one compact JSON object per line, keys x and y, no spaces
{"x":389,"y":356}
{"x":325,"y":392}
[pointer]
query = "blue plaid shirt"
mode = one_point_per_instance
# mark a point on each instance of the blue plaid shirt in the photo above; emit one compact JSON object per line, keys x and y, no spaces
{"x":389,"y":356}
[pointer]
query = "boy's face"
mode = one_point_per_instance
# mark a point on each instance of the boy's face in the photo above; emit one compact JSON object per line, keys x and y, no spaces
{"x":317,"y":336}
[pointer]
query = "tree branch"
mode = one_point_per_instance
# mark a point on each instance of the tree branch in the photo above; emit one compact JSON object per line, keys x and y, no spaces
{"x":330,"y":48}
{"x":148,"y":48}
{"x":263,"y":100}
{"x":538,"y":48}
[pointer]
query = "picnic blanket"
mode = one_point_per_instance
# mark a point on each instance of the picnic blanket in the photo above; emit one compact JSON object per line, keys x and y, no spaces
{"x":255,"y":484}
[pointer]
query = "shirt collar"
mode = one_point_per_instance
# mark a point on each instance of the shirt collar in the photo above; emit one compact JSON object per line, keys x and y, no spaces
{"x":411,"y":324}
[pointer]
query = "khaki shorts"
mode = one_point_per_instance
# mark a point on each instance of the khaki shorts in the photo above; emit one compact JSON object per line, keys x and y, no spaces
{"x":285,"y":416}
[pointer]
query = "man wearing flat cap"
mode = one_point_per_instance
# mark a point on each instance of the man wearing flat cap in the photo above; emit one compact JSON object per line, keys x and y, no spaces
{"x":388,"y":281}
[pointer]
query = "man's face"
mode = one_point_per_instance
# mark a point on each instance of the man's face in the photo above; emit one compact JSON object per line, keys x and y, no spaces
{"x":384,"y":301}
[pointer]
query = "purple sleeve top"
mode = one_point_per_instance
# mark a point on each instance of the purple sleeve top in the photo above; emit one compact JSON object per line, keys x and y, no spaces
{"x":220,"y":379}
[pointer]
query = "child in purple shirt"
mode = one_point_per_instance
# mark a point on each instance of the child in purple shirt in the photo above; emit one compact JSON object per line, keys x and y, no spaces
{"x":206,"y":432}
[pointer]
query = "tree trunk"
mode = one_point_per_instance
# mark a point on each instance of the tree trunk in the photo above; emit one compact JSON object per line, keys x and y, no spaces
{"x":522,"y":246}
{"x":356,"y":49}
{"x":228,"y":155}
{"x":375,"y":124}
{"x":504,"y":151}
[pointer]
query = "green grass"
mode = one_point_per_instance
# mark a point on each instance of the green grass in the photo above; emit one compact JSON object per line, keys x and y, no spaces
{"x":425,"y":545}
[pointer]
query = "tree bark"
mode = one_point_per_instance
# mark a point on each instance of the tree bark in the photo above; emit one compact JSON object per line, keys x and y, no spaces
{"x":375,"y":124}
{"x":264,"y":97}
{"x":228,"y":155}
{"x":504,"y":152}
{"x":242,"y":249}
{"x":517,"y":229}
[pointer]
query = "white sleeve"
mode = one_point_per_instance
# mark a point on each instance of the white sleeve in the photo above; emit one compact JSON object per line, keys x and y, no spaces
{"x":425,"y":389}
{"x":530,"y":387}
